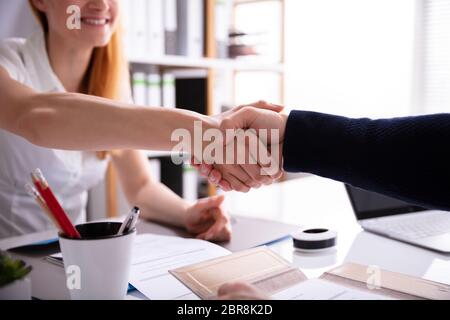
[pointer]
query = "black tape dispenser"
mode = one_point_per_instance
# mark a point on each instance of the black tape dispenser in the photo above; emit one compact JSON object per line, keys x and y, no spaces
{"x":314,"y":240}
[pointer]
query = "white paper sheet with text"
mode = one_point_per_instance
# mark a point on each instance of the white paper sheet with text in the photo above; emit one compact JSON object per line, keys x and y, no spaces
{"x":154,"y":255}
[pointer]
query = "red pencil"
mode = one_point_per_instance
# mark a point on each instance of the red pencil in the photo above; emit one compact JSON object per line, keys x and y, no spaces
{"x":55,"y":208}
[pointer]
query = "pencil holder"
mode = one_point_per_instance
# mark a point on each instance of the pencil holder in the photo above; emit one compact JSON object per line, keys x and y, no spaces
{"x":98,"y":264}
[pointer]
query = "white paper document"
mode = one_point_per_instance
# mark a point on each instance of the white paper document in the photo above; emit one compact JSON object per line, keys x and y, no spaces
{"x":318,"y":289}
{"x":154,"y":255}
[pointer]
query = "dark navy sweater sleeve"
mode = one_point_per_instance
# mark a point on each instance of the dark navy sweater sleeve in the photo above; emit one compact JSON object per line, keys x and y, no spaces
{"x":407,"y":158}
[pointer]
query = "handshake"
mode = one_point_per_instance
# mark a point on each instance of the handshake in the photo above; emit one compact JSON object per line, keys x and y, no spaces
{"x":245,"y":149}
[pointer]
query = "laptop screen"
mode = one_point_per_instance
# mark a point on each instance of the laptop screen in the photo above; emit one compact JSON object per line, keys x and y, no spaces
{"x":367,"y":204}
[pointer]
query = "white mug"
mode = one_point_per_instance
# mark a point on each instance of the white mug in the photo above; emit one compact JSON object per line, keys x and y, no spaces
{"x":98,"y":265}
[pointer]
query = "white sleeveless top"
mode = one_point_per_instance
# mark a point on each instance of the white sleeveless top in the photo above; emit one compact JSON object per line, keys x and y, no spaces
{"x":69,"y":173}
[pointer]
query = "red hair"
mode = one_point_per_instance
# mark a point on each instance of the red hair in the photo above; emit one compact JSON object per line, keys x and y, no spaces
{"x":108,"y":68}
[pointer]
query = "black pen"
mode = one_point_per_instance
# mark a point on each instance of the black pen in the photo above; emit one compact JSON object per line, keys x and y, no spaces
{"x":130,"y":221}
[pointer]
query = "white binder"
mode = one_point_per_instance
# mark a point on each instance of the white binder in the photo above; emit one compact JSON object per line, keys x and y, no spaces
{"x":168,"y":90}
{"x":139,"y":27}
{"x":155,"y":28}
{"x":170,"y":26}
{"x":139,"y":82}
{"x":153,"y":85}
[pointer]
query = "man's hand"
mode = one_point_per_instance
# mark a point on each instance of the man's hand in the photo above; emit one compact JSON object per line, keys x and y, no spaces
{"x":255,"y":117}
{"x":208,"y":220}
{"x":240,"y":291}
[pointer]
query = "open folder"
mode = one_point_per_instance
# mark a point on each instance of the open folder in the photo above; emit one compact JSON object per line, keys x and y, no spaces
{"x":277,"y":278}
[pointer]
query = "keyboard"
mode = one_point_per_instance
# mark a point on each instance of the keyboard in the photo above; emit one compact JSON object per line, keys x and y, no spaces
{"x":411,"y":226}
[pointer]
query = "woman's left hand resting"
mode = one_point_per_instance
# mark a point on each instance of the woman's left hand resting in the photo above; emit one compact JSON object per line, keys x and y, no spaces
{"x":208,"y":220}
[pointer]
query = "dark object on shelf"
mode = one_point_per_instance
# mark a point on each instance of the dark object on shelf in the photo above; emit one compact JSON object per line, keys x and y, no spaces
{"x":236,"y":50}
{"x":238,"y":34}
{"x":243,"y":43}
{"x":190,"y":94}
{"x":235,"y":34}
{"x":172,"y":175}
{"x":203,"y":188}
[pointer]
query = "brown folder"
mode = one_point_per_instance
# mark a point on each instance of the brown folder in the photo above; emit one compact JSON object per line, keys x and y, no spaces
{"x":392,"y":284}
{"x":271,"y":273}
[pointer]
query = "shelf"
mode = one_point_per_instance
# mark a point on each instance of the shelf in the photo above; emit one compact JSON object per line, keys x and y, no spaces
{"x":159,"y":154}
{"x":209,"y":63}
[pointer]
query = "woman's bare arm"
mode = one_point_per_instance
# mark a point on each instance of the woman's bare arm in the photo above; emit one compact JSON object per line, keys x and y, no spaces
{"x":156,"y":201}
{"x":73,"y":121}
{"x":81,"y":122}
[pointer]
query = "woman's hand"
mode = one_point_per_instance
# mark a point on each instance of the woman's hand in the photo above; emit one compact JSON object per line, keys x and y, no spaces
{"x":243,"y":177}
{"x":207,"y":219}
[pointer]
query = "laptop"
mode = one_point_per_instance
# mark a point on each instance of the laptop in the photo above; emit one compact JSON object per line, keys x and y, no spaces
{"x":401,"y":221}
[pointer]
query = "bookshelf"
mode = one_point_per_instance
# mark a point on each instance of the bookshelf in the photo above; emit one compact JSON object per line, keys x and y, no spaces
{"x":217,"y":70}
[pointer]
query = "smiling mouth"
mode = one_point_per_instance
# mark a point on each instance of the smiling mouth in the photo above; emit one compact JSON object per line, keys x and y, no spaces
{"x":95,"y":22}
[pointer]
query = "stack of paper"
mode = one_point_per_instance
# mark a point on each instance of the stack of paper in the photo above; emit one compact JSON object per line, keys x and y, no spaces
{"x":155,"y":255}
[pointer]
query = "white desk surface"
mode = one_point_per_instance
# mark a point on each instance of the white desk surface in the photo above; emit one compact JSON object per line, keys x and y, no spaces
{"x":307,"y":202}
{"x":317,"y":202}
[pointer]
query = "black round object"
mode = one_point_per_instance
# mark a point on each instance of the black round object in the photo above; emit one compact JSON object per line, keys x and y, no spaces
{"x":314,"y":239}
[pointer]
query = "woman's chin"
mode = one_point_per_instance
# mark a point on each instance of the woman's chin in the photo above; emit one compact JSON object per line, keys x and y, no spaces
{"x":97,"y":41}
{"x":96,"y":37}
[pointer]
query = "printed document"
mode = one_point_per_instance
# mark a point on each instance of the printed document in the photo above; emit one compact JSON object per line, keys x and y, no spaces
{"x":154,"y":256}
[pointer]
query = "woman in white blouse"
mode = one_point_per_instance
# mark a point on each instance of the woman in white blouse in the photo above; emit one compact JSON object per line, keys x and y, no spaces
{"x":53,"y":87}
